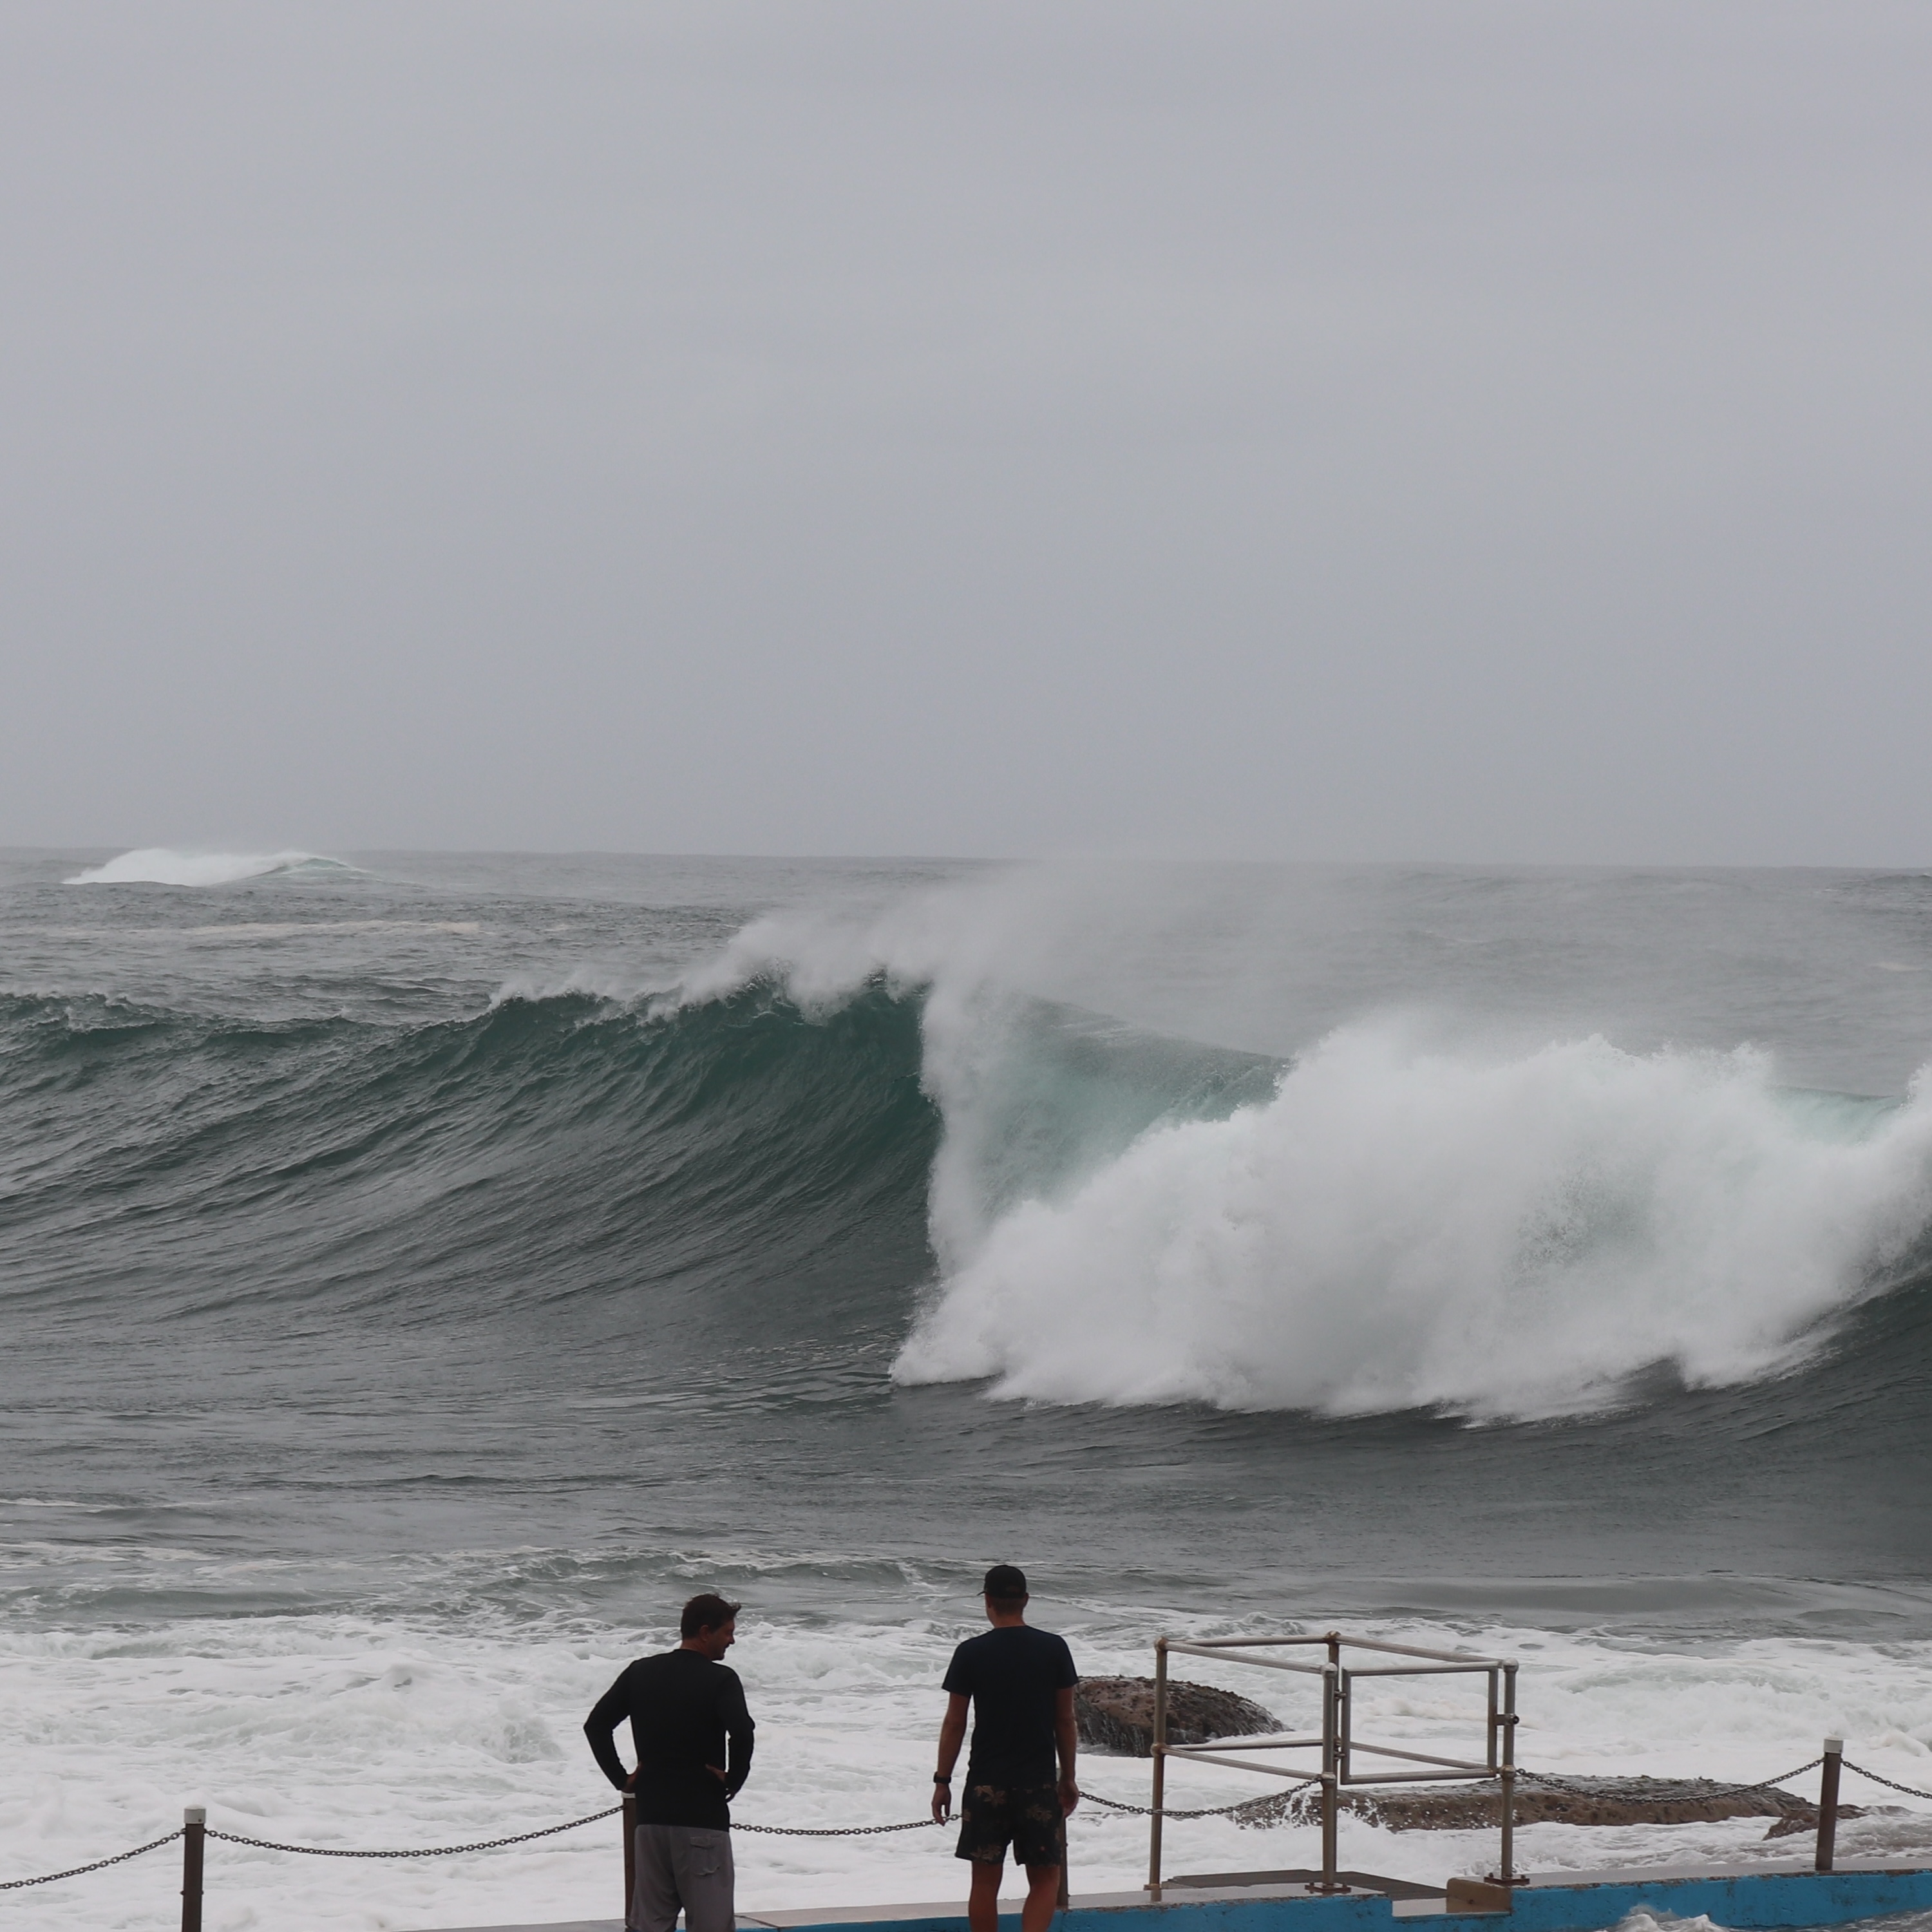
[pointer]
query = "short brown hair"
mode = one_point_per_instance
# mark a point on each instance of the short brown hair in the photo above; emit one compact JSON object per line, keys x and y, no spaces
{"x":705,"y":1612}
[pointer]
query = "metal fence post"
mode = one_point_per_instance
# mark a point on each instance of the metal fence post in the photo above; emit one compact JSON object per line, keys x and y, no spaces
{"x":1506,"y":1872}
{"x":629,"y":1821}
{"x":1827,"y":1803}
{"x":1331,"y":1777}
{"x":194,"y":1833}
{"x":1160,"y":1798}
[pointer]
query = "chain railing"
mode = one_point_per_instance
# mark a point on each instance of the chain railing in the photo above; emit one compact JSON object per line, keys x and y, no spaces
{"x":414,"y":1851}
{"x":1689,"y":1786}
{"x":99,"y":1865}
{"x":194,"y":1830}
{"x":835,"y":1830}
{"x":1890,"y":1783}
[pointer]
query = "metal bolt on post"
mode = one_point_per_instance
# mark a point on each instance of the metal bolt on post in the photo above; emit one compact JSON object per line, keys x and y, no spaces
{"x":194,"y":1836}
{"x":1827,"y":1803}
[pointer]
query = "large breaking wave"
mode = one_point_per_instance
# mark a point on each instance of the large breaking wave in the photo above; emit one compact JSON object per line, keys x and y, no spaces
{"x":1396,"y":1229}
{"x":1381,"y":1224}
{"x":860,"y":1140}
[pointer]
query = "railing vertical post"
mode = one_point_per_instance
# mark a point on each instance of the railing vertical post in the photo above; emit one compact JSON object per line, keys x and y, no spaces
{"x":1331,"y":1774}
{"x":1160,"y":1798}
{"x":194,"y":1834}
{"x":1505,"y":1722}
{"x":1827,"y":1803}
{"x":629,"y":1821}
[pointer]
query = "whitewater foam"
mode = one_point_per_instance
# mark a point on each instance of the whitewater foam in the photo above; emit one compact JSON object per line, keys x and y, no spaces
{"x":162,"y":865}
{"x":1400,"y":1228}
{"x":352,"y":1731}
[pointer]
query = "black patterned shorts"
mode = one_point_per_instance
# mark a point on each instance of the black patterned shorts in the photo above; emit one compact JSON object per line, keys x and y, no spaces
{"x":1027,"y":1816}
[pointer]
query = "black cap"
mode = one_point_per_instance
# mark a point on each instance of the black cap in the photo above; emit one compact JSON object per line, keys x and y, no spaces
{"x":1005,"y":1582}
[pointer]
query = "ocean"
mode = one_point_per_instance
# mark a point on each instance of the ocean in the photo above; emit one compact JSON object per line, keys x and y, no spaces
{"x":420,"y":1272}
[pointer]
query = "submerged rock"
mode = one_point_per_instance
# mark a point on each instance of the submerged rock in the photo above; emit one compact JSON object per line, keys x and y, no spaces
{"x":1555,"y":1801}
{"x":1115,"y":1714}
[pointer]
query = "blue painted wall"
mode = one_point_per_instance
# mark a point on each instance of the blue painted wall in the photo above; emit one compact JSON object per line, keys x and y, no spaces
{"x":1747,"y":1900}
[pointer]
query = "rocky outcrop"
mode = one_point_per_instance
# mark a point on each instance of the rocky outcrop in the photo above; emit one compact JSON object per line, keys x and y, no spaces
{"x":1115,"y":1715}
{"x":1556,"y":1801}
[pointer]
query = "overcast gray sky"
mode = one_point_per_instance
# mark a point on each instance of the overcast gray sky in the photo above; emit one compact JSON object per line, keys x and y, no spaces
{"x":1473,"y":431}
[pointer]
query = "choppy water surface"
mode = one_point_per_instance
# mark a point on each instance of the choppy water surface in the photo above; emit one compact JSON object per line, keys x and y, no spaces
{"x":420,"y":1273}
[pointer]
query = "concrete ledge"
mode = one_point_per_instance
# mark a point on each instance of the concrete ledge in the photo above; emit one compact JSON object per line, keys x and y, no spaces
{"x":1744,"y":1897}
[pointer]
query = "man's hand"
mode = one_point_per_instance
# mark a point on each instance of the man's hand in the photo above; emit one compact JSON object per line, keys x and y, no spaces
{"x":631,"y":1783}
{"x":951,"y":1736}
{"x":717,"y":1774}
{"x":1065,"y":1744}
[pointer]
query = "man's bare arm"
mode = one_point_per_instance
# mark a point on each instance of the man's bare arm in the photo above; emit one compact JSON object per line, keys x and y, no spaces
{"x":1066,"y":1739}
{"x":951,"y":1736}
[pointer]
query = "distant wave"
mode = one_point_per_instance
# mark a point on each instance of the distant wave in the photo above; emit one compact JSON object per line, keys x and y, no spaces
{"x":162,"y":865}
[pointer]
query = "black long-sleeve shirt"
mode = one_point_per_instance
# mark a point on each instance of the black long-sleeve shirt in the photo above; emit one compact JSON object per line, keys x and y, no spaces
{"x":683,"y":1709}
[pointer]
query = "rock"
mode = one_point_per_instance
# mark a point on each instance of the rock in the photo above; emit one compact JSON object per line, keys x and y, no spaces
{"x":1793,"y":1822}
{"x":1556,"y":1801}
{"x":1115,"y":1715}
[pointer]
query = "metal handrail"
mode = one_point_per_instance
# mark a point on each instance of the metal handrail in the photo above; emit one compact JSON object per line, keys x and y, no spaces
{"x":1423,"y":1670}
{"x":1337,"y":1742}
{"x":1273,"y":1742}
{"x":1266,"y":1663}
{"x":1235,"y":1764}
{"x":1330,"y":1636}
{"x":1417,"y":1757}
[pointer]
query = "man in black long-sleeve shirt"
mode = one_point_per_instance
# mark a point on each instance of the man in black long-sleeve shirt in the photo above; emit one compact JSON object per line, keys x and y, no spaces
{"x":683,"y":1705}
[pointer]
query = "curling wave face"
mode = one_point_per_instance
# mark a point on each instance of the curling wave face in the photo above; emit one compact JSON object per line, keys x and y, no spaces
{"x":558,"y":1152}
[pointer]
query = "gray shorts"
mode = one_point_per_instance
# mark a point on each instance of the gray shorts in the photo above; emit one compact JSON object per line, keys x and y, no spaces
{"x":688,"y":1865}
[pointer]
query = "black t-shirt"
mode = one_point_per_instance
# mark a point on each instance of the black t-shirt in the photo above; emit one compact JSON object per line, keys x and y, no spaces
{"x":1011,"y":1674}
{"x":681,"y":1707}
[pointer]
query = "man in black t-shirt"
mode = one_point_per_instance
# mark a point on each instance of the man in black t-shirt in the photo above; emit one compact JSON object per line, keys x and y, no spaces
{"x":683,"y":1705}
{"x":1019,"y":1682}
